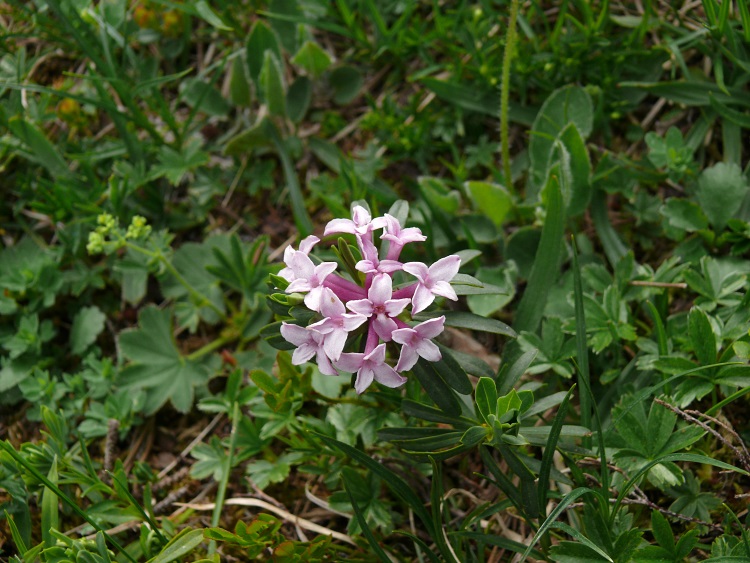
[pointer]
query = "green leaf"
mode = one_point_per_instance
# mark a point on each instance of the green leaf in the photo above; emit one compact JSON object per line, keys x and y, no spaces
{"x":272,"y":84}
{"x":346,"y":82}
{"x":565,"y":106}
{"x":42,"y":150}
{"x":662,"y":531}
{"x":436,"y":387}
{"x":156,"y":363}
{"x":298,"y":98}
{"x":470,"y":321}
{"x":176,"y":164}
{"x":264,"y":472}
{"x":179,"y":546}
{"x":399,"y":487}
{"x":721,"y":189}
{"x":209,"y":16}
{"x":486,"y":398}
{"x":684,"y":214}
{"x":312,"y":58}
{"x":50,"y":512}
{"x":240,"y":92}
{"x":374,"y":545}
{"x":87,"y":326}
{"x":243,"y":143}
{"x":702,"y":338}
{"x":261,"y":39}
{"x":577,"y":167}
{"x":203,"y":96}
{"x":491,"y":199}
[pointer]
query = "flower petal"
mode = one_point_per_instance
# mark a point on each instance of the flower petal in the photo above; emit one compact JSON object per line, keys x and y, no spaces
{"x":350,"y":362}
{"x":384,"y":327}
{"x":324,"y":364}
{"x":330,"y":304}
{"x":303,"y":354}
{"x":417,"y":269}
{"x":381,"y":289}
{"x":444,"y":289}
{"x":334,"y":344}
{"x":404,"y":335}
{"x":422,"y":299}
{"x":388,"y":376}
{"x":445,"y":269}
{"x":430,"y":329}
{"x":428,"y":350}
{"x":364,"y":379}
{"x":295,"y":334}
{"x":407,"y":359}
{"x":394,"y":307}
{"x":307,"y":244}
{"x":340,"y":226}
{"x":361,"y":306}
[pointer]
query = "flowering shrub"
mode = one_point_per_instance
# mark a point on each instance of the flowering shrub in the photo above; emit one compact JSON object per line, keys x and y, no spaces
{"x":370,"y":305}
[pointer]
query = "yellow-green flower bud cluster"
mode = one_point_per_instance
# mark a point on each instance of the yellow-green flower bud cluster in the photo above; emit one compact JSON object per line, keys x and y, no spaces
{"x":108,"y":236}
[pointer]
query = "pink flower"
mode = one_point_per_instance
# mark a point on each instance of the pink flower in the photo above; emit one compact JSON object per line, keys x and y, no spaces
{"x":417,"y":342}
{"x":309,"y":343}
{"x":361,"y":224}
{"x":398,"y":237}
{"x":305,"y":247}
{"x":337,"y":323}
{"x":370,"y":367}
{"x":309,"y":277}
{"x":380,"y":305}
{"x":433,"y":281}
{"x":370,"y":264}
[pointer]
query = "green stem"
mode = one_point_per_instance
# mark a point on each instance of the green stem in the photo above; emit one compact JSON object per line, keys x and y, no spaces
{"x":201,"y":300}
{"x":224,"y":483}
{"x":210,"y":347}
{"x":510,"y":45}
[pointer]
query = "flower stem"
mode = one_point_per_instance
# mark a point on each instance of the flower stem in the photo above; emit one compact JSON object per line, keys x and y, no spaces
{"x":510,"y":45}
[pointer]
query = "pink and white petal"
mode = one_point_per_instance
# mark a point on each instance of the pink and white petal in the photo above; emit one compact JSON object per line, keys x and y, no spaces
{"x":350,"y":362}
{"x":404,"y":336}
{"x":303,"y":354}
{"x":377,"y":355}
{"x":378,"y":223}
{"x":411,"y":234}
{"x":302,"y":265}
{"x":360,"y":215}
{"x":299,"y":285}
{"x":384,"y":327}
{"x":307,"y":244}
{"x":287,"y":274}
{"x":394,"y":307}
{"x":312,"y":299}
{"x":430,"y":329}
{"x":361,"y":306}
{"x":381,"y":289}
{"x":295,"y":334}
{"x":422,"y":299}
{"x":428,"y":350}
{"x":324,"y":269}
{"x":407,"y":359}
{"x":388,"y":266}
{"x":334,"y":344}
{"x":324,"y":364}
{"x":366,"y":266}
{"x":444,"y":289}
{"x":445,"y":269}
{"x":386,"y":375}
{"x":369,"y":251}
{"x":340,"y":226}
{"x":364,"y":379}
{"x":330,"y":304}
{"x":352,"y":321}
{"x":417,"y":269}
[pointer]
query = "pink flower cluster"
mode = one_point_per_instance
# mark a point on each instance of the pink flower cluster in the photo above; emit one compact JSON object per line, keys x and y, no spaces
{"x":343,"y":305}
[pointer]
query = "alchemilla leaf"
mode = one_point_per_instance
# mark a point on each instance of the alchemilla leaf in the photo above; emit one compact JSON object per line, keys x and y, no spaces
{"x":156,"y":364}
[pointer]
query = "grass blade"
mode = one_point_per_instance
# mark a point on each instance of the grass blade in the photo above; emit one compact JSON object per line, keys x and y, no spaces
{"x":394,"y":482}
{"x":19,"y":459}
{"x":50,"y":513}
{"x":582,"y":352}
{"x":549,"y":451}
